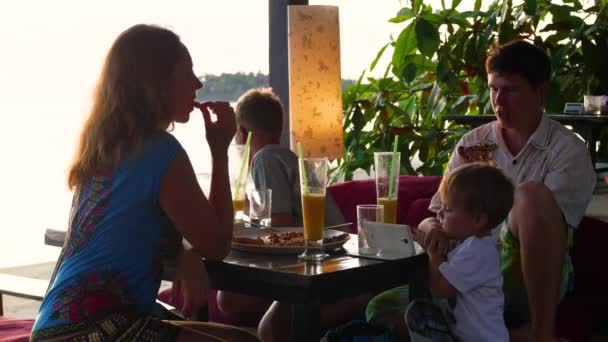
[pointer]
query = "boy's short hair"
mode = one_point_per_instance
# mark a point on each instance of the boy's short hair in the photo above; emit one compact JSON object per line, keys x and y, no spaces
{"x":481,"y":189}
{"x":259,"y":109}
{"x":522,"y":58}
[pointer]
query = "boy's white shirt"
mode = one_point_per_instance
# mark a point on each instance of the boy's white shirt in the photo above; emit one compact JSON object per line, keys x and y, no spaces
{"x":473,"y":268}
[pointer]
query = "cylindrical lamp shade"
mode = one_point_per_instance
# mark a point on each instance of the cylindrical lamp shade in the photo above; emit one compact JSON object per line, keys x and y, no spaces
{"x":315,"y":85}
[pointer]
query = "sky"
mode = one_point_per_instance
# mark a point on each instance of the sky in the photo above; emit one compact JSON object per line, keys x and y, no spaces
{"x":50,"y":57}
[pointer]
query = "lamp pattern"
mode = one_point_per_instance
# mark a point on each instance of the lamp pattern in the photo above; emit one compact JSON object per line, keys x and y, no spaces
{"x":315,"y":87}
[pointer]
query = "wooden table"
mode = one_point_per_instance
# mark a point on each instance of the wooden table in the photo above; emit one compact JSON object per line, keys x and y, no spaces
{"x":588,"y":126}
{"x":308,"y":285}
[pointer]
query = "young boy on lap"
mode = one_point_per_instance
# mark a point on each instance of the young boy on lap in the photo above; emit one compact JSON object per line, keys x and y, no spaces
{"x":466,"y":282}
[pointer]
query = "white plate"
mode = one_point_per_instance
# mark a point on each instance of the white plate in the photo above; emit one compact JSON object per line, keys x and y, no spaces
{"x":255,"y":232}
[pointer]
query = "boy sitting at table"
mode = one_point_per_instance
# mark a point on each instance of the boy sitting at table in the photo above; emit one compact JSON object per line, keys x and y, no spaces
{"x":466,"y":282}
{"x":274,"y":167}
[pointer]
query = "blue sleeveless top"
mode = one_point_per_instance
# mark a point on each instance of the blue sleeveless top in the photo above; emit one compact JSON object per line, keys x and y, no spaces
{"x":117,"y":239}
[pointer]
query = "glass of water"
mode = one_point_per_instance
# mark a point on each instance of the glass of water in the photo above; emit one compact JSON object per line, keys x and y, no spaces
{"x":260,"y":207}
{"x":367,"y":213}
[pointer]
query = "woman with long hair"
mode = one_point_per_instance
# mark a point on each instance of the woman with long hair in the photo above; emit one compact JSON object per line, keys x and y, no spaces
{"x":135,"y":196}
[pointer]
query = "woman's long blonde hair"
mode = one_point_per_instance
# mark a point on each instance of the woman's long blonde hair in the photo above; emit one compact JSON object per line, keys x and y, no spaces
{"x":130,"y":102}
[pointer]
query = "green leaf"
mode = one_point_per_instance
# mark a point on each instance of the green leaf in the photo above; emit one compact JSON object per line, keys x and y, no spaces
{"x":405,"y":44}
{"x":421,"y":86}
{"x":507,"y":33}
{"x":468,"y":14}
{"x":423,"y":152}
{"x":409,"y":73}
{"x":375,"y":61}
{"x":477,"y":6}
{"x":455,"y":3}
{"x":592,"y":56}
{"x":459,"y":19}
{"x":432,"y":18}
{"x":439,"y":107}
{"x":563,"y":26}
{"x":557,"y":37}
{"x":530,"y":7}
{"x":403,"y":15}
{"x":416,"y":6}
{"x":422,"y":63}
{"x":427,"y":37}
{"x":562,"y":13}
{"x":442,"y":67}
{"x":434,"y":96}
{"x":452,"y":83}
{"x":591,"y":30}
{"x":461,"y":99}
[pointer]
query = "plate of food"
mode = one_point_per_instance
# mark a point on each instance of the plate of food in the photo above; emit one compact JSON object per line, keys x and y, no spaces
{"x":282,"y":240}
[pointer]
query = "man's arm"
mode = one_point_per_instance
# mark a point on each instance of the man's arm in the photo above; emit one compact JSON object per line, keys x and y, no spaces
{"x":572,"y":179}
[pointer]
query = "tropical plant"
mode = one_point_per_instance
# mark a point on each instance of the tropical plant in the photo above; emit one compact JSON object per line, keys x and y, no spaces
{"x":438,"y":68}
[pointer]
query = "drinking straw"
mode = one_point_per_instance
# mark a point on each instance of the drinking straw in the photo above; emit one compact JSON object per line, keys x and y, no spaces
{"x":393,"y":168}
{"x":301,"y":155}
{"x":243,"y":163}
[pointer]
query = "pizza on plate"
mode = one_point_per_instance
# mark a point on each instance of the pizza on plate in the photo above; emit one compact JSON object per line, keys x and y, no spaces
{"x":478,"y":153}
{"x":283,"y":239}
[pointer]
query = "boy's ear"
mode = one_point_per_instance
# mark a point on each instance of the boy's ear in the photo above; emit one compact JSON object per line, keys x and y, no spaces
{"x":480,"y":222}
{"x":241,"y":135}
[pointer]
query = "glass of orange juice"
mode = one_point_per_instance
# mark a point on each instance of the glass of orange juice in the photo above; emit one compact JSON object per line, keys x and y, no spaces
{"x":383,"y":163}
{"x":312,"y":186}
{"x":238,"y":171}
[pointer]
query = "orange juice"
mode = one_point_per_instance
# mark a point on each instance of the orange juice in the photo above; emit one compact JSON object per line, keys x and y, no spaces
{"x":313,"y":212}
{"x":238,"y":204}
{"x":390,"y":209}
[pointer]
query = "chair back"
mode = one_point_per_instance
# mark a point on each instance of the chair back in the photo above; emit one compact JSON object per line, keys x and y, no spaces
{"x":414,"y":196}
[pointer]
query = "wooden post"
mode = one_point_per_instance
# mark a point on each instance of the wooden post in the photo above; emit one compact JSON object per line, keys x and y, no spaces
{"x":278,"y":56}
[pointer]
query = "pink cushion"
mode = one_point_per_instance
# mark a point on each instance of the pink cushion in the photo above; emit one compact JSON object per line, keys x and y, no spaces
{"x":414,"y":197}
{"x":15,"y":330}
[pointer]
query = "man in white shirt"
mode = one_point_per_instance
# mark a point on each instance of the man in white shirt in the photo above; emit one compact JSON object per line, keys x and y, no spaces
{"x":555,"y":179}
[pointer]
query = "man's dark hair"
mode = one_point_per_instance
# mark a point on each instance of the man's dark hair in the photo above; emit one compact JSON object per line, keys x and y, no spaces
{"x":522,"y":58}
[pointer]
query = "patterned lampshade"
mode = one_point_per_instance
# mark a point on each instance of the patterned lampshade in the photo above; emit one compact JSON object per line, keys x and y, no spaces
{"x":315,"y":86}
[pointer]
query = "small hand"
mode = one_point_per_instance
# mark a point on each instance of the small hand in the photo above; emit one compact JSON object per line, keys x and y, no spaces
{"x":424,"y":227}
{"x":436,"y":244}
{"x":191,"y":282}
{"x":219,"y":133}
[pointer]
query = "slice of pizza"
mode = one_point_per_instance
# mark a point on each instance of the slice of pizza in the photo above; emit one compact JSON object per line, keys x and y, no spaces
{"x":478,"y":153}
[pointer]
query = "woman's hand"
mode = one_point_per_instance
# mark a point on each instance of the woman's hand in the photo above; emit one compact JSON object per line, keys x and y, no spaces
{"x":191,"y":282}
{"x":219,"y":133}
